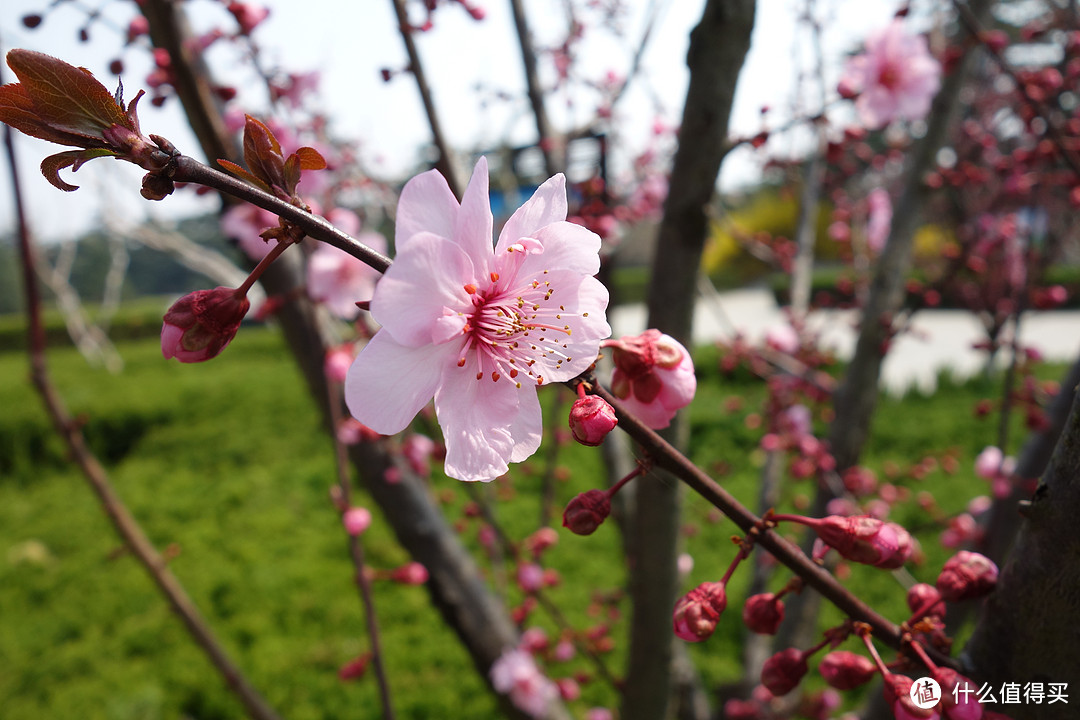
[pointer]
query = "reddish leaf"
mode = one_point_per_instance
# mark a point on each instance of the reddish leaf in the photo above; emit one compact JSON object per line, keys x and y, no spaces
{"x":243,"y":174}
{"x":262,"y":153}
{"x":17,"y":110}
{"x":52,"y":165}
{"x":310,"y":159}
{"x":291,"y":173}
{"x":66,"y":97}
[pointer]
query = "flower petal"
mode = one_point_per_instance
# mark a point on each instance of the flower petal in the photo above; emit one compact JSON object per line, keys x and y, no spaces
{"x":546,"y":206}
{"x":528,"y":427}
{"x":426,"y":204}
{"x":389,"y":383}
{"x":566,"y":246}
{"x":472,"y":231}
{"x":428,"y":275}
{"x":477,"y":418}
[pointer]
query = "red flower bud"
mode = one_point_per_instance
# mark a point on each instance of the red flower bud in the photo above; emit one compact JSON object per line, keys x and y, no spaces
{"x":926,"y":600}
{"x":698,"y":611}
{"x":355,"y":669}
{"x":783,"y":671}
{"x":967,"y":575}
{"x":898,"y":696}
{"x":410,"y":574}
{"x":763,"y":613}
{"x":591,"y":419}
{"x":845,"y":670}
{"x":961,"y":704}
{"x":862,"y":539}
{"x":199,"y":325}
{"x":586,"y":512}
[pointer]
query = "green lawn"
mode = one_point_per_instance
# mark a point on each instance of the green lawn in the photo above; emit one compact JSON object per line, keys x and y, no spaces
{"x":225,"y":462}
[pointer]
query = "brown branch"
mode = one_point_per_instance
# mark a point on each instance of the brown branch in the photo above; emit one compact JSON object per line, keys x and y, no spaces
{"x":536,"y":93}
{"x":445,"y":163}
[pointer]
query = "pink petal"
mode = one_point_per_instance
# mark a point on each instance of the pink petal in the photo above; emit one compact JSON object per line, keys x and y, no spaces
{"x":428,"y":275}
{"x":566,"y":246}
{"x":527,"y":428}
{"x":426,"y":205}
{"x":389,"y":383}
{"x":477,"y":417}
{"x":546,"y":206}
{"x":472,"y":231}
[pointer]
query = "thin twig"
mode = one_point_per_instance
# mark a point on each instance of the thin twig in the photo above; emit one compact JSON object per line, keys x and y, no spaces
{"x":122,"y":520}
{"x":446,"y":159}
{"x":356,"y":551}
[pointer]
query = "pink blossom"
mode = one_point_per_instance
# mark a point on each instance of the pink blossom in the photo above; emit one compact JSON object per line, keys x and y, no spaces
{"x":879,"y":219}
{"x":338,"y":279}
{"x":530,"y":577}
{"x":534,"y":640}
{"x":418,"y":450}
{"x":782,"y":338}
{"x":479,"y":329}
{"x":896,"y":77}
{"x":988,"y":463}
{"x":243,"y":223}
{"x":653,"y":376}
{"x":515,"y":674}
{"x":248,"y":16}
{"x":565,"y":651}
{"x":337,"y":361}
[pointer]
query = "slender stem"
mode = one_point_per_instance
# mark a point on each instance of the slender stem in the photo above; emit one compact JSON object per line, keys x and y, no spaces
{"x":125,"y":524}
{"x":446,"y":159}
{"x":190,"y":170}
{"x":667,"y":457}
{"x":532,"y":81}
{"x":356,"y":551}
{"x":274,"y":254}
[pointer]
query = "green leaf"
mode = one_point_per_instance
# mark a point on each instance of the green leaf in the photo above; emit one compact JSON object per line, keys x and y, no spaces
{"x":66,"y":97}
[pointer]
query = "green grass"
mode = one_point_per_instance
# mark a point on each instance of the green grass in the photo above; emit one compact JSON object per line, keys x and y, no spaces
{"x":225,"y":462}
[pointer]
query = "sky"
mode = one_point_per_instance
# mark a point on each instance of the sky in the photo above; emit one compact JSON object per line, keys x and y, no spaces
{"x":349,"y":44}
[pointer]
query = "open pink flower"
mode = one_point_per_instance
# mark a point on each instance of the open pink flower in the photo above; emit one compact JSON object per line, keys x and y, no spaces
{"x":879,"y":219}
{"x":515,"y":674}
{"x":479,"y":328}
{"x":896,"y":77}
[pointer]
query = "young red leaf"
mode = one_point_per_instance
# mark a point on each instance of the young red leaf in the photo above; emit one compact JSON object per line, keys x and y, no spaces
{"x":310,"y":159}
{"x":52,"y":165}
{"x":66,"y":97}
{"x":18,"y":111}
{"x":243,"y":174}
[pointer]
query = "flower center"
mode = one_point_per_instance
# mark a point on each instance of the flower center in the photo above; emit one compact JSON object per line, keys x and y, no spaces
{"x":515,"y":330}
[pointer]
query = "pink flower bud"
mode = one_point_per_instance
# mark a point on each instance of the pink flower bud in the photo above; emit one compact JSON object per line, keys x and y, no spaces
{"x":541,"y":540}
{"x":568,"y":688}
{"x":904,"y":547}
{"x":530,"y":577}
{"x":967,"y":575}
{"x":565,"y":651}
{"x":337,"y":362}
{"x":591,"y":419}
{"x":846,"y":670}
{"x":898,"y":697}
{"x":988,"y":463}
{"x":199,"y":325}
{"x":861,"y":539}
{"x":784,"y":671}
{"x":925,"y":599}
{"x":698,"y":611}
{"x":355,"y":669}
{"x":356,"y":520}
{"x":763,"y":613}
{"x":586,"y":512}
{"x":534,"y":640}
{"x":411,"y":574}
{"x":961,"y":704}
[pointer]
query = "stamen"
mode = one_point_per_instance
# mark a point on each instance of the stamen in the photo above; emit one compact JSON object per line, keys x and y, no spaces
{"x":471,"y":289}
